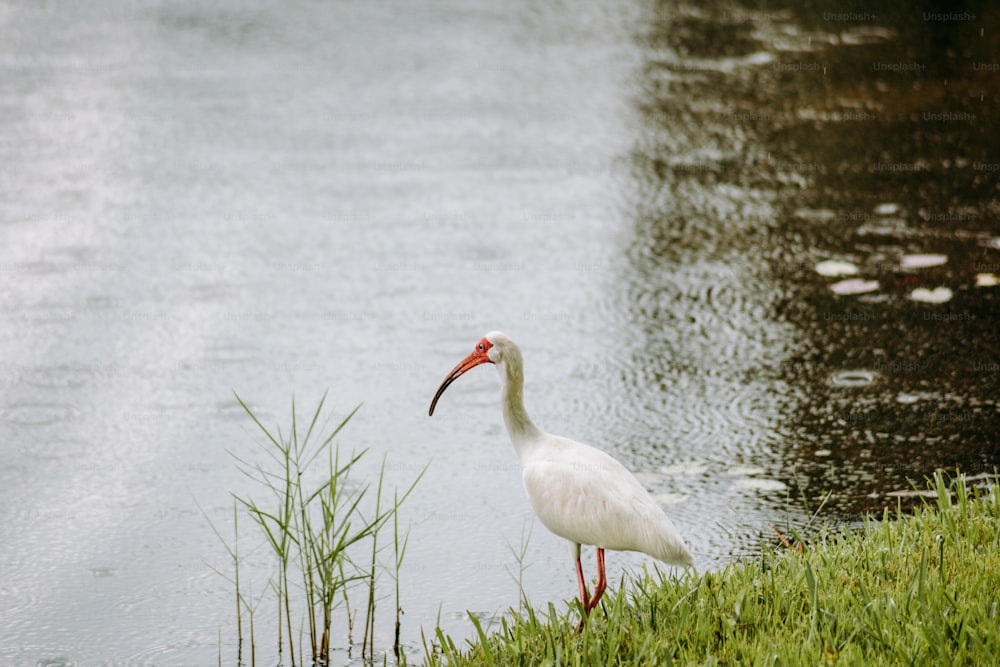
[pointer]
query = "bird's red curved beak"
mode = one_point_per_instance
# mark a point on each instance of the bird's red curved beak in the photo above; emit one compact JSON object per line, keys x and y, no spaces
{"x":478,"y":356}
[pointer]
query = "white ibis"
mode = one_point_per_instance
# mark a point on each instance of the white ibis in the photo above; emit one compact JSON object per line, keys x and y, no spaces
{"x":579,"y":492}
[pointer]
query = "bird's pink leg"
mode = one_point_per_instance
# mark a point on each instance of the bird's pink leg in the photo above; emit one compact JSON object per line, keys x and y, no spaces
{"x":602,"y":580}
{"x":584,"y":595}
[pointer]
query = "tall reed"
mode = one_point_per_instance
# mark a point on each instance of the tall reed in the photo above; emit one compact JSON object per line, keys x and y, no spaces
{"x":314,"y":517}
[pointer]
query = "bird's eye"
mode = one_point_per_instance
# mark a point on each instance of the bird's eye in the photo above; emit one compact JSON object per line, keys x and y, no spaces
{"x":482,"y":347}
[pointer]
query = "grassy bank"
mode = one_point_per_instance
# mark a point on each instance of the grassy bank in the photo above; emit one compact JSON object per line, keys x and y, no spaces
{"x":920,"y":589}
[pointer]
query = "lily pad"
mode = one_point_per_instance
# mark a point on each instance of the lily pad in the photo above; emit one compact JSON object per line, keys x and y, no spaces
{"x":922,"y":261}
{"x":836,"y":267}
{"x":685,"y":468}
{"x":854,"y":286}
{"x":936,"y":295}
{"x":987,"y":280}
{"x":853,"y":378}
{"x":761,"y":484}
{"x":816,"y":214}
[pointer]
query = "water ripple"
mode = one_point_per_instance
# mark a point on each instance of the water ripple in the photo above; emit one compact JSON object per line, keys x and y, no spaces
{"x":15,"y":602}
{"x":37,"y":414}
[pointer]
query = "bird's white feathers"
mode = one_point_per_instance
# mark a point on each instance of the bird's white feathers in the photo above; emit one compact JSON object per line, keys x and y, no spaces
{"x":579,"y":492}
{"x":587,"y":497}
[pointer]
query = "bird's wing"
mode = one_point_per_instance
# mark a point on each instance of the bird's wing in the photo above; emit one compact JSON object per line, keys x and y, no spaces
{"x":588,"y":497}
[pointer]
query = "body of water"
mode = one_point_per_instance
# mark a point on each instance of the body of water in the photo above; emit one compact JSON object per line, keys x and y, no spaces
{"x":751,"y":253}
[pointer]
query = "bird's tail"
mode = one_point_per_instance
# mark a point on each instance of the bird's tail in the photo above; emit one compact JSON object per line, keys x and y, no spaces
{"x":670,"y":547}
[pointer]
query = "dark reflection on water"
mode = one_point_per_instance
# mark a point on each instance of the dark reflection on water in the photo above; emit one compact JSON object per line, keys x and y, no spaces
{"x":770,"y":140}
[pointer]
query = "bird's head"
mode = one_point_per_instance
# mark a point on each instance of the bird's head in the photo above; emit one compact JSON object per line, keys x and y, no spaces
{"x":491,"y":349}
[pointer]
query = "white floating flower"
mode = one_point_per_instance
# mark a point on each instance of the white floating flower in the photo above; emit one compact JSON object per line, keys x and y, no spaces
{"x":887,"y":209}
{"x":936,"y":295}
{"x":836,"y":267}
{"x":854,"y":286}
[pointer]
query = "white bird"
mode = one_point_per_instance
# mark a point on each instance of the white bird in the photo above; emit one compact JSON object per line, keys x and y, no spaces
{"x":579,"y":492}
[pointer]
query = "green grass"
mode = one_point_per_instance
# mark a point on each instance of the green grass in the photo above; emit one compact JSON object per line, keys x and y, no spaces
{"x":917,"y":589}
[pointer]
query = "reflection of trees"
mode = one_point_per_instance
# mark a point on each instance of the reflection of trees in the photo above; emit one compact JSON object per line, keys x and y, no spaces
{"x":745,"y":163}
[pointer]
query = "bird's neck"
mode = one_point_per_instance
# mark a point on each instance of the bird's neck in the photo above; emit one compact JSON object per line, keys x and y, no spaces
{"x":521,"y":429}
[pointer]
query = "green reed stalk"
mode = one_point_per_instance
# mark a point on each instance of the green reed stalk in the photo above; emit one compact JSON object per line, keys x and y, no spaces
{"x":399,"y":551}
{"x":313,"y":528}
{"x":368,"y":641}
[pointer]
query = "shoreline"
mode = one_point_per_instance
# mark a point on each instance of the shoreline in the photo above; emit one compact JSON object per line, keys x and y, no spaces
{"x":908,"y":588}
